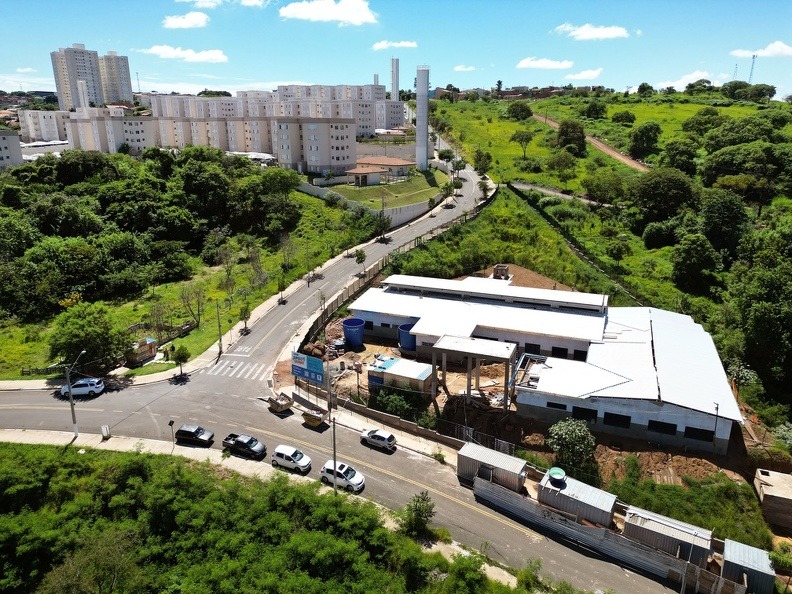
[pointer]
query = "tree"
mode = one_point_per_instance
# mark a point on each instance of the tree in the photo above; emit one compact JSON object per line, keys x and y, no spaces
{"x":193,"y":298}
{"x":465,"y":576}
{"x":645,"y":90}
{"x":729,"y":89}
{"x":571,"y":137}
{"x":680,"y":154}
{"x":446,"y":155}
{"x":723,"y":219}
{"x":181,"y":355}
{"x":483,"y":185}
{"x":604,"y":186}
{"x":618,"y":248}
{"x":482,"y":161}
{"x":623,"y":117}
{"x":523,"y":138}
{"x":694,"y":262}
{"x":572,"y":443}
{"x":458,"y":165}
{"x":414,"y":519}
{"x":563,"y":163}
{"x":662,"y":193}
{"x":705,"y":120}
{"x":643,"y":139}
{"x":244,"y":315}
{"x":88,"y":327}
{"x":360,"y":258}
{"x":756,"y":191}
{"x":594,"y":110}
{"x":519,"y":110}
{"x":499,"y":87}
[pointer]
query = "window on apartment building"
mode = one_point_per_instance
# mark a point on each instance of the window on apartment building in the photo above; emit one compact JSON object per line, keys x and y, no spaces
{"x":579,"y":355}
{"x":531,"y":348}
{"x":556,"y":405}
{"x":615,"y":420}
{"x":660,"y":427}
{"x":584,"y":414}
{"x":560,"y":352}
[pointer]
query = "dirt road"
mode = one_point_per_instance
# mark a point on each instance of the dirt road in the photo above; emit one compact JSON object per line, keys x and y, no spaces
{"x":600,"y":145}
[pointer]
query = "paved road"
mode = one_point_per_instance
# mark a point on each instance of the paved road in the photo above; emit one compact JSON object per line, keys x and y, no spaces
{"x":226,"y":392}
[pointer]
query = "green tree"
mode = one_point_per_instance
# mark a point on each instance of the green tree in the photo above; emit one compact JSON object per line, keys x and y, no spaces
{"x":662,"y":193}
{"x":499,"y":87}
{"x":643,"y":139}
{"x":483,"y":185}
{"x":618,"y":247}
{"x":694,"y":262}
{"x":244,"y":315}
{"x":623,"y":117}
{"x":523,"y":138}
{"x":360,"y":259}
{"x":465,"y":576}
{"x":571,"y":137}
{"x":572,"y":443}
{"x":604,"y":186}
{"x":563,"y":164}
{"x":181,"y":355}
{"x":414,"y":518}
{"x":680,"y":154}
{"x":645,"y":90}
{"x":594,"y":109}
{"x":723,"y":219}
{"x":482,"y":161}
{"x":756,"y":191}
{"x":88,"y":327}
{"x":729,"y":89}
{"x":741,"y":131}
{"x":458,"y":165}
{"x":706,"y":119}
{"x":519,"y":110}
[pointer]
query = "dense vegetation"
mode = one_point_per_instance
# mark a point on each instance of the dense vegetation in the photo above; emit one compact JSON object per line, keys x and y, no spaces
{"x":89,"y":227}
{"x":707,"y":231}
{"x":110,"y":522}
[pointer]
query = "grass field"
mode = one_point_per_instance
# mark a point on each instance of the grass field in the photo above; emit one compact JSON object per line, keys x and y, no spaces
{"x":418,"y":188}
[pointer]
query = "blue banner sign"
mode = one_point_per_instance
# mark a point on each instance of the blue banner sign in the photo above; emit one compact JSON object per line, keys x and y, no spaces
{"x":308,"y":368}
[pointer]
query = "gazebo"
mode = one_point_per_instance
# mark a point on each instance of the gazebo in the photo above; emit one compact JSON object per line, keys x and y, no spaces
{"x":365,"y":175}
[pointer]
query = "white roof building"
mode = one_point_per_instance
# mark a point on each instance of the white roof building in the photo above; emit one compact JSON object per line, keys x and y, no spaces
{"x":623,"y":369}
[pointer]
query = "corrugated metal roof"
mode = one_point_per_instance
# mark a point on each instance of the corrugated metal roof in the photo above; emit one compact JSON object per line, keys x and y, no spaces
{"x":411,"y":369}
{"x":488,"y":349}
{"x":575,"y":489}
{"x":662,"y":525}
{"x":492,"y":457}
{"x":747,"y":556}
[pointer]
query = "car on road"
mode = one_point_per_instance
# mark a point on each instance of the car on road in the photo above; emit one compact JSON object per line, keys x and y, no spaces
{"x":291,"y":458}
{"x":379,"y":439}
{"x":87,"y":386}
{"x":195,"y":435}
{"x":343,"y":475}
{"x":245,"y":445}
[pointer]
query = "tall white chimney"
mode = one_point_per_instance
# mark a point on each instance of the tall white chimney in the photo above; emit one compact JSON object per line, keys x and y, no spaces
{"x":422,"y":119}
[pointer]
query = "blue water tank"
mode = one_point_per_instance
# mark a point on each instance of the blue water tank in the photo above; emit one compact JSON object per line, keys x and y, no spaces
{"x":353,"y":331}
{"x":406,"y":340}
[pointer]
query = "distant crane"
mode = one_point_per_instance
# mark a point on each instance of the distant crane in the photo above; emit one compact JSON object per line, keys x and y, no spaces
{"x":753,"y":61}
{"x":734,"y":76}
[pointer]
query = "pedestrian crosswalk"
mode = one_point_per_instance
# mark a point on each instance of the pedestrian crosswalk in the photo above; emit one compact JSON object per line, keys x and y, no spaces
{"x":232,"y":368}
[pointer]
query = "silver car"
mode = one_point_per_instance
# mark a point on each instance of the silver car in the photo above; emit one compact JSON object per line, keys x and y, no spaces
{"x":343,"y":475}
{"x":379,"y":439}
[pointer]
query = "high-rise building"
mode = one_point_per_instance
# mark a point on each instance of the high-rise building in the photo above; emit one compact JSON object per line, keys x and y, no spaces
{"x":106,"y":78}
{"x":422,"y":119}
{"x":116,"y":82}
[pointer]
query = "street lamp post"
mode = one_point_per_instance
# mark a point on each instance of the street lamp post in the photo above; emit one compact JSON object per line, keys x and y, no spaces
{"x":71,"y":397}
{"x":173,"y":436}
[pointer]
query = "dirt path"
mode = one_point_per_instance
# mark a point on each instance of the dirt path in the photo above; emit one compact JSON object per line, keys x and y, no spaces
{"x":600,"y":145}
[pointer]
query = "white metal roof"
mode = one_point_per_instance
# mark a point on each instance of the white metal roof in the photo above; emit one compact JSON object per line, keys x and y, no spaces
{"x":493,"y":458}
{"x":682,"y":531}
{"x":483,"y":348}
{"x":410,"y":369}
{"x":586,"y":494}
{"x":747,"y":556}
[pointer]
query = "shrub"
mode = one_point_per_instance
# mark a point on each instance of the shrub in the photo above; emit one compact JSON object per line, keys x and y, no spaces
{"x":566,"y":212}
{"x":548,"y":201}
{"x":528,"y":164}
{"x":657,"y":235}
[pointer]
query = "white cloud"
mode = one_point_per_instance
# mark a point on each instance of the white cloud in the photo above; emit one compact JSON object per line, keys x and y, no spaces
{"x":686,"y":79}
{"x":639,"y":33}
{"x":585,"y":75}
{"x":254,"y":3}
{"x":381,"y":45}
{"x":589,"y":32}
{"x":191,"y":20}
{"x":346,"y":12}
{"x":24,"y":70}
{"x":167,"y":52}
{"x":203,"y":3}
{"x":155,"y":85}
{"x":777,"y":49}
{"x":545,"y":64}
{"x":462,"y":68}
{"x":23,"y":81}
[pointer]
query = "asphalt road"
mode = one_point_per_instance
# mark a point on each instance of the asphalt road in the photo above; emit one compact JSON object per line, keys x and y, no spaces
{"x":229,"y":395}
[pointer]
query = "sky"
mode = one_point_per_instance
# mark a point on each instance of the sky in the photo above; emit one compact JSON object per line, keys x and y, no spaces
{"x":190,"y":45}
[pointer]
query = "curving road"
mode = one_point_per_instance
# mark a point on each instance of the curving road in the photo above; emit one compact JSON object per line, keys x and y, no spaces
{"x":227,"y":393}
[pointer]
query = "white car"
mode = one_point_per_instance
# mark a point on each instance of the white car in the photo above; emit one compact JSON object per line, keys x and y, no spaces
{"x":87,"y":386}
{"x":291,"y":458}
{"x":379,"y":439}
{"x":343,"y":475}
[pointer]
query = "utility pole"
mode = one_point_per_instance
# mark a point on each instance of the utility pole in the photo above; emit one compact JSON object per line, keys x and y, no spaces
{"x":219,"y":329}
{"x":335,"y":464}
{"x":71,"y":397}
{"x":715,"y":433}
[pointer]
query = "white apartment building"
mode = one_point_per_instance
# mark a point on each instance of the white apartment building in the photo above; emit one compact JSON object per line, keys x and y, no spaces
{"x":116,"y":81}
{"x":10,"y":151}
{"x":73,"y":64}
{"x":106,"y":129}
{"x":43,"y":125}
{"x":106,"y":78}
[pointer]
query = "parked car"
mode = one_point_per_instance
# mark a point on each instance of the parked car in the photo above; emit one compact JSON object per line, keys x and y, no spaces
{"x":343,"y":475}
{"x":195,"y":435}
{"x":245,"y":445}
{"x":87,"y":386}
{"x":291,"y":458}
{"x":379,"y":439}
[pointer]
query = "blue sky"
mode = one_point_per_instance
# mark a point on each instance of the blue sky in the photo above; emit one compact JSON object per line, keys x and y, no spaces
{"x":188,"y":45}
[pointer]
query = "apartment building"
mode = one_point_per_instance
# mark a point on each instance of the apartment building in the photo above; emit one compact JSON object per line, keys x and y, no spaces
{"x":43,"y":125}
{"x":116,"y":81}
{"x":106,"y":129}
{"x":10,"y":151}
{"x":106,"y":78}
